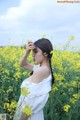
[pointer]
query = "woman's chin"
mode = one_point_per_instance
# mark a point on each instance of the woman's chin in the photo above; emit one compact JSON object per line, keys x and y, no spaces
{"x":35,"y":62}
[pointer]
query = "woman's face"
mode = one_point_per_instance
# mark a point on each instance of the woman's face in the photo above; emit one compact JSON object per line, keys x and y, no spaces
{"x":38,"y":56}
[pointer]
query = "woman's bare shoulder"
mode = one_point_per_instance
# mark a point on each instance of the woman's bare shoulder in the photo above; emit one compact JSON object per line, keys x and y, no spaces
{"x":41,"y":73}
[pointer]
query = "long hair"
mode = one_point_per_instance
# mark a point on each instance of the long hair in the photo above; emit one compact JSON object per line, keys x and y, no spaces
{"x":46,"y":46}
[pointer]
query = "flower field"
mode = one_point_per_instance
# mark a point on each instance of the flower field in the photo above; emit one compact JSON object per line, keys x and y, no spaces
{"x":64,"y":99}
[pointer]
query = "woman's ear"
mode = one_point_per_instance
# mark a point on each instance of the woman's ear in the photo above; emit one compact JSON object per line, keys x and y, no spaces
{"x":45,"y":54}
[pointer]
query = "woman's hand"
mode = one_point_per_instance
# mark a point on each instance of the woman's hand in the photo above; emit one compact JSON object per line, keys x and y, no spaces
{"x":24,"y":117}
{"x":30,"y":46}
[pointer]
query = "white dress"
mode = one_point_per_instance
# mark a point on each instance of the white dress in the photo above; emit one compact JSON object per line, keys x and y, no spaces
{"x":34,"y":98}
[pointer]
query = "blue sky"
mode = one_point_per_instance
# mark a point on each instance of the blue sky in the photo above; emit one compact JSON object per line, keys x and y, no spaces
{"x":30,"y":19}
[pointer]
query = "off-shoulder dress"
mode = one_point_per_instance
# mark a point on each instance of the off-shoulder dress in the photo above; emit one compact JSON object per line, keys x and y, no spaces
{"x":33,"y":98}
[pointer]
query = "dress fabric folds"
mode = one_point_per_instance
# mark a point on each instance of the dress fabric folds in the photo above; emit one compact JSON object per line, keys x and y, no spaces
{"x":33,"y":98}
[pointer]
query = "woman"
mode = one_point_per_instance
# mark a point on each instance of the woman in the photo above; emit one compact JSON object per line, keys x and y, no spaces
{"x":35,"y":89}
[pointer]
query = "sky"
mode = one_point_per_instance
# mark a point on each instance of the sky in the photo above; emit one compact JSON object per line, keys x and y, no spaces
{"x":22,"y":20}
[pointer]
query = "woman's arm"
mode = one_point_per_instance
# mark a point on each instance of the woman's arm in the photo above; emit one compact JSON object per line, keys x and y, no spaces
{"x":23,"y":62}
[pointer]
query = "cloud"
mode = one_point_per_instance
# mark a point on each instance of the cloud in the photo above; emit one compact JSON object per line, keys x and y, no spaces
{"x":29,"y":13}
{"x":13,"y":14}
{"x":35,"y":17}
{"x":40,"y":14}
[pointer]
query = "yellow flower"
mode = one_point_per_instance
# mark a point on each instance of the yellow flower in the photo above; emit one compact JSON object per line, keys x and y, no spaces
{"x":13,"y":104}
{"x":6,"y":105}
{"x":72,"y":100}
{"x":10,"y":107}
{"x":73,"y":83}
{"x":58,"y":77}
{"x":44,"y":35}
{"x":66,"y":107}
{"x":76,"y":96}
{"x":17,"y":75}
{"x":54,"y":89}
{"x":10,"y":88}
{"x":27,"y":110}
{"x":24,"y":91}
{"x":6,"y":71}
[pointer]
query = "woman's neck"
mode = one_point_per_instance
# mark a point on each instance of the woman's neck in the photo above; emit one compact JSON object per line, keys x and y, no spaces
{"x":45,"y":63}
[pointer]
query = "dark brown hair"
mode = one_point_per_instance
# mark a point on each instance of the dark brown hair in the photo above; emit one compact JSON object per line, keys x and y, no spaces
{"x":46,"y":46}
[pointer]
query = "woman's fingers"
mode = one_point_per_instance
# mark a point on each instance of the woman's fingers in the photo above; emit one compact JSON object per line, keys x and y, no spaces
{"x":30,"y":45}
